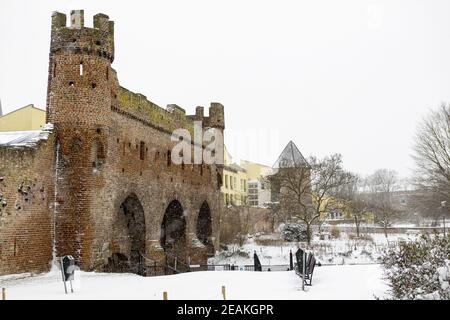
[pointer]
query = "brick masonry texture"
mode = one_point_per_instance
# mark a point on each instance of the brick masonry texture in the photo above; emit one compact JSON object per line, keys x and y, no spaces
{"x":102,"y":186}
{"x":26,"y":189}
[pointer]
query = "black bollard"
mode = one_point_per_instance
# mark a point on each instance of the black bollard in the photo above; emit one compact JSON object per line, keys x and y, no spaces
{"x":256,"y":263}
{"x":291,"y":261}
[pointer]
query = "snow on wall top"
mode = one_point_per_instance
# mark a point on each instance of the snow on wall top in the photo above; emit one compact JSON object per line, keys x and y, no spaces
{"x":25,"y":138}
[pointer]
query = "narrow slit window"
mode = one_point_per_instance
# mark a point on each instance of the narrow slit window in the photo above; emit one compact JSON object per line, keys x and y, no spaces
{"x":81,"y":69}
{"x":142,"y":150}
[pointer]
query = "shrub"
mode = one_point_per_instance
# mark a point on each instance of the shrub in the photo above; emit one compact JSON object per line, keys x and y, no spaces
{"x":294,"y":232}
{"x":335,"y":233}
{"x":419,"y":269}
{"x":365,"y":237}
{"x":269,"y":242}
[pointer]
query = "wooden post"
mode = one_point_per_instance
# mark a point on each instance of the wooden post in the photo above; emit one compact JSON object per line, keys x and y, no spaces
{"x":165,"y":295}
{"x":3,"y":293}
{"x":223,"y":293}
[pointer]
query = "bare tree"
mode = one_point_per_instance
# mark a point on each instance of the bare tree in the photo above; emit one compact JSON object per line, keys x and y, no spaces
{"x":235,"y":224}
{"x":307,"y":189}
{"x":355,"y":201}
{"x":381,"y":186}
{"x":275,"y":213}
{"x":432,"y":157}
{"x":426,"y":203}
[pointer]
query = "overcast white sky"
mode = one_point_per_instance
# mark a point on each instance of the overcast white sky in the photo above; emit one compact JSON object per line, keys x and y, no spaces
{"x":351,"y":76}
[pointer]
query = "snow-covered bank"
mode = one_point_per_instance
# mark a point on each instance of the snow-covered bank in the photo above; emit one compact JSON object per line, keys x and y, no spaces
{"x":343,"y":250}
{"x":330,"y":282}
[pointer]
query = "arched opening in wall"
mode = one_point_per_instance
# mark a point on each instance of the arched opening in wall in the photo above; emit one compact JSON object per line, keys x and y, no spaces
{"x":76,"y":145}
{"x":204,"y":227}
{"x":128,"y":238}
{"x":173,"y":230}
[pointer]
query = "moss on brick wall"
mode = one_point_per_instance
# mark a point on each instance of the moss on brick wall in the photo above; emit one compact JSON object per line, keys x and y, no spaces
{"x":138,"y":105}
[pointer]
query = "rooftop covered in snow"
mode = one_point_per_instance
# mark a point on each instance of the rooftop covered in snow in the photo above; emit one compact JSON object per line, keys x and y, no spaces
{"x":24,"y":138}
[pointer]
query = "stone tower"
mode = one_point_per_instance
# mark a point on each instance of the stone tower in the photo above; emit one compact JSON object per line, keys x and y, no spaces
{"x":102,"y":186}
{"x":79,"y":98}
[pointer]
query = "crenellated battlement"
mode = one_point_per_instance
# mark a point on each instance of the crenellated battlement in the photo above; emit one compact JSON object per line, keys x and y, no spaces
{"x":171,"y":118}
{"x":72,"y":48}
{"x":77,"y":38}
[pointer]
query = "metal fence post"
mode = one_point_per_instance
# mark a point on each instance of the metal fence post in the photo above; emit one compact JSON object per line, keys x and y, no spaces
{"x":304,"y":270}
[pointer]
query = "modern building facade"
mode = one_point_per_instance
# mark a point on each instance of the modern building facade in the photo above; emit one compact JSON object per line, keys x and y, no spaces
{"x":259,"y":192}
{"x":23,"y":119}
{"x":234,"y":187}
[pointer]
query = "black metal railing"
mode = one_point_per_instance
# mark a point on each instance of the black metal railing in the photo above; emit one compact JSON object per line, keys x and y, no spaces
{"x":176,"y":264}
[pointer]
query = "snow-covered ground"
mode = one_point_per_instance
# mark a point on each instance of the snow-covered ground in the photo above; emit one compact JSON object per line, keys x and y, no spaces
{"x":329,"y":282}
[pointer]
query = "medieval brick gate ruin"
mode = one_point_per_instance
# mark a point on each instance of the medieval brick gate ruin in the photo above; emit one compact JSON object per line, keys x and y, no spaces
{"x":100,"y":185}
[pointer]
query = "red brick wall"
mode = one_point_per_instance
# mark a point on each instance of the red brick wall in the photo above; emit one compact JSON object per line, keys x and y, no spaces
{"x":26,"y":223}
{"x":112,"y":143}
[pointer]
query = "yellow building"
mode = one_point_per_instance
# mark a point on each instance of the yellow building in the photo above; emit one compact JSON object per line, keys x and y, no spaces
{"x":234,"y":187}
{"x":23,"y":119}
{"x":255,"y":170}
{"x":258,"y":190}
{"x":336,"y":211}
